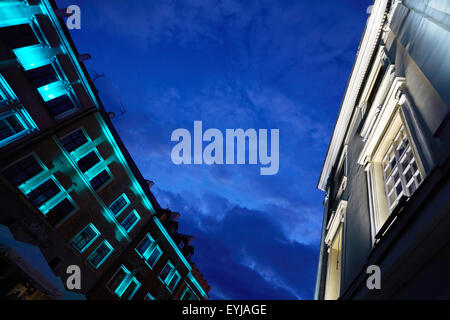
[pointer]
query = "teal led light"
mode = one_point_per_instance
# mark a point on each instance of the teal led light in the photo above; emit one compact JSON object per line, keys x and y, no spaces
{"x":135,"y":184}
{"x":180,"y":255}
{"x":27,"y":119}
{"x":127,"y":282}
{"x":53,"y":90}
{"x":149,"y":296}
{"x":34,"y":56}
{"x":14,"y":12}
{"x":197,"y":285}
{"x":120,"y":234}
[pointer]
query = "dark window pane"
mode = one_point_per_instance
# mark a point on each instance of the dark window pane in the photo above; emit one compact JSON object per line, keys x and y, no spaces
{"x":99,"y":254}
{"x":23,"y":170}
{"x":43,"y":193}
{"x":129,"y":221}
{"x":116,"y":280}
{"x":375,"y":88}
{"x":143,"y":246}
{"x":54,"y":262}
{"x":154,"y":257}
{"x":59,"y":105}
{"x":59,"y":212}
{"x":18,"y":36}
{"x":165,"y":272}
{"x":128,"y":293}
{"x":88,"y":161}
{"x":10,"y":126}
{"x":73,"y":140}
{"x":118,"y":205}
{"x":174,"y":281}
{"x":100,"y":179}
{"x":42,"y":75}
{"x":81,"y":240}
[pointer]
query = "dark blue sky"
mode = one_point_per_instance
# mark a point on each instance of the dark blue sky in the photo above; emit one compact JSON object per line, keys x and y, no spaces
{"x":231,"y":64}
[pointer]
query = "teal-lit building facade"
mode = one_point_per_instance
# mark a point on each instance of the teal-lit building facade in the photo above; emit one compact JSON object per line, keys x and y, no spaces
{"x":68,"y":185}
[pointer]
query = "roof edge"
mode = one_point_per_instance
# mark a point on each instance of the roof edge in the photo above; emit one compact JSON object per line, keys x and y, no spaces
{"x":360,"y":67}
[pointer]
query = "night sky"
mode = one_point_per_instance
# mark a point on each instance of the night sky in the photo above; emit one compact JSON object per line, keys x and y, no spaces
{"x":231,"y":64}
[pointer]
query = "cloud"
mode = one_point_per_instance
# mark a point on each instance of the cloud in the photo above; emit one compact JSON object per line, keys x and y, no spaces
{"x":245,"y":255}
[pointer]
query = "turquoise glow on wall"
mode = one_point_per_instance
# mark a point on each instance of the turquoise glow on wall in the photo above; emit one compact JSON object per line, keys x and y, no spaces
{"x":35,"y":56}
{"x":53,"y":90}
{"x":14,"y":12}
{"x":23,"y":119}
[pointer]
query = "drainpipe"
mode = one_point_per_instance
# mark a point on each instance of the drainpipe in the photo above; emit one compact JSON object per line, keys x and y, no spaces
{"x":322,"y":244}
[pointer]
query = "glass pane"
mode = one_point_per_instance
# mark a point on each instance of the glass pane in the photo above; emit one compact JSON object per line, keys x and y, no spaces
{"x":117,"y":279}
{"x":165,"y":272}
{"x":129,"y":292}
{"x":154,"y":257}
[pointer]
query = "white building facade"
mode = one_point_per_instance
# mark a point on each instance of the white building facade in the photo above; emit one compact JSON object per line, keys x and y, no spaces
{"x":386,"y":172}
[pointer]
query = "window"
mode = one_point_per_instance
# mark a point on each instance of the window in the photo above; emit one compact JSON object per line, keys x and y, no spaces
{"x":15,"y":124}
{"x":88,"y":161}
{"x":119,"y":204}
{"x":149,"y":250}
{"x":169,"y":276}
{"x":23,"y":170}
{"x":130,"y":221}
{"x":394,"y":172}
{"x":115,"y":283}
{"x":100,"y":179}
{"x":166,"y":272}
{"x":54,"y":262}
{"x":123,"y":284}
{"x":10,"y":125}
{"x":59,"y":212}
{"x":42,"y":76}
{"x":145,"y":245}
{"x":174,"y":281}
{"x":100,"y":254}
{"x":43,"y":192}
{"x":189,"y":294}
{"x":131,"y":289}
{"x":332,"y":289}
{"x":74,"y":140}
{"x":85,"y":238}
{"x":18,"y":36}
{"x":154,"y":256}
{"x":59,"y":105}
{"x":333,"y":240}
{"x":400,"y":171}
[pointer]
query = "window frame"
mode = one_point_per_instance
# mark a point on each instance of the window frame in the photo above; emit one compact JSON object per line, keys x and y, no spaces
{"x":169,"y":276}
{"x":74,"y":151}
{"x":111,"y":250}
{"x":90,"y":242}
{"x":156,"y":248}
{"x":9,"y":99}
{"x":123,"y":285}
{"x":123,"y":208}
{"x":136,"y":214}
